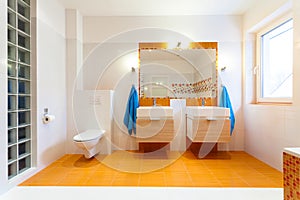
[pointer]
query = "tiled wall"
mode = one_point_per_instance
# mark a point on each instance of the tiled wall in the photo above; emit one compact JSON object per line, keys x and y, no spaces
{"x":291,"y":176}
{"x":192,"y":89}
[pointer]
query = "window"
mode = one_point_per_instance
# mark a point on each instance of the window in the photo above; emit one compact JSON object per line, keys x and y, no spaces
{"x":19,"y":93}
{"x":275,"y":58}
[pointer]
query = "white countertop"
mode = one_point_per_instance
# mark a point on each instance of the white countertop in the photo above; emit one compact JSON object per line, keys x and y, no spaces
{"x":207,"y":111}
{"x":155,"y":112}
{"x":294,"y":151}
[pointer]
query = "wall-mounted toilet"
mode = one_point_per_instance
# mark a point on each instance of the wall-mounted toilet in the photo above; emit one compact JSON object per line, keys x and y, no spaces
{"x":88,"y":141}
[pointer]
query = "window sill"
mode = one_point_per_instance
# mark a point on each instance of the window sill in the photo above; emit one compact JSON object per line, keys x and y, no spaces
{"x":272,"y":103}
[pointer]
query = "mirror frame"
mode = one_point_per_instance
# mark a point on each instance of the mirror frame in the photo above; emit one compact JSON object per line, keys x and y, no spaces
{"x":189,"y":101}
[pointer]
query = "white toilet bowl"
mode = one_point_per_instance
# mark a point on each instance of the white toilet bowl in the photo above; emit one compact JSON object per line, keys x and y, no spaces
{"x":88,"y":141}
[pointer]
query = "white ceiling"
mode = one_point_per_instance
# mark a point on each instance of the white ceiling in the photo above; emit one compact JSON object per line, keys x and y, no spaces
{"x":159,"y":7}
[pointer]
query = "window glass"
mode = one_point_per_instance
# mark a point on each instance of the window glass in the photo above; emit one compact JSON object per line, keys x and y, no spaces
{"x":276,"y":72}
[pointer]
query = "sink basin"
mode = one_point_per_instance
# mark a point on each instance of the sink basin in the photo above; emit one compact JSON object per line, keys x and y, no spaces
{"x":207,"y":111}
{"x":155,"y":112}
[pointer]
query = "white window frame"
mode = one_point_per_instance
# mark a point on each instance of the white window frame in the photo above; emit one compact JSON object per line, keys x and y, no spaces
{"x":258,"y":68}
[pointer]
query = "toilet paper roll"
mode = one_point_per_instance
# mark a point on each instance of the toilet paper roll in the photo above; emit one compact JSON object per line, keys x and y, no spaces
{"x":48,"y":118}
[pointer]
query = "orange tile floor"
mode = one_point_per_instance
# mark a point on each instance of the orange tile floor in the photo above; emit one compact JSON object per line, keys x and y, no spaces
{"x":122,"y":168}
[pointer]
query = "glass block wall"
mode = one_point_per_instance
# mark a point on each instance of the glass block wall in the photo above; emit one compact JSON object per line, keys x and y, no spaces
{"x":19,"y":84}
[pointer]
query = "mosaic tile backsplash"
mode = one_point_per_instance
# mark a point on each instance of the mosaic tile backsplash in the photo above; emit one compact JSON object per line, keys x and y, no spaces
{"x":291,"y":176}
{"x":194,"y":89}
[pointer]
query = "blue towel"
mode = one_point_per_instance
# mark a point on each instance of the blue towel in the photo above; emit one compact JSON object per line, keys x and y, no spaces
{"x":225,"y":102}
{"x":131,"y":110}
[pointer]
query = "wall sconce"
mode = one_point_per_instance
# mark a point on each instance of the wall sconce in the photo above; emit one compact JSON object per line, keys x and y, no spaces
{"x":223,"y":69}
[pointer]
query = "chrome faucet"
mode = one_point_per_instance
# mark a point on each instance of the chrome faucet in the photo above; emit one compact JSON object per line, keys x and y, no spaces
{"x":154,"y":101}
{"x":203,"y":101}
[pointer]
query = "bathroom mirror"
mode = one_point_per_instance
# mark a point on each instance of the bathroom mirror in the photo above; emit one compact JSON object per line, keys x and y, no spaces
{"x":177,"y":72}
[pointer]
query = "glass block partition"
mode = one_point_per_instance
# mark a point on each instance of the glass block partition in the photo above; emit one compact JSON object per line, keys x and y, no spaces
{"x":19,"y":87}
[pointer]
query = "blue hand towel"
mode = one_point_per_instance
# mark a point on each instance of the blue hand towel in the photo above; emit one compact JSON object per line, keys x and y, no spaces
{"x":225,"y":102}
{"x":131,"y":110}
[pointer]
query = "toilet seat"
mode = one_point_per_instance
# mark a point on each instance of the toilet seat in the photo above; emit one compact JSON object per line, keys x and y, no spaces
{"x":88,"y":135}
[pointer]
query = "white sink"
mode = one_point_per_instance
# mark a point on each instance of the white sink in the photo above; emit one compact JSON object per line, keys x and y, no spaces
{"x":155,"y":112}
{"x":207,"y":111}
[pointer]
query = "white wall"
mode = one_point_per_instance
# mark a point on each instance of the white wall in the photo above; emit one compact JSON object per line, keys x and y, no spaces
{"x":51,"y":81}
{"x":269,"y":128}
{"x":104,"y":37}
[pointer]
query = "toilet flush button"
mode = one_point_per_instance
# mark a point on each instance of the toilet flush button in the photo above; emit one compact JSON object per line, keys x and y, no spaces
{"x":95,"y":100}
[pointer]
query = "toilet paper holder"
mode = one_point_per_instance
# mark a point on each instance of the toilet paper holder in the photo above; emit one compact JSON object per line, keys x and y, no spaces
{"x":46,"y":117}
